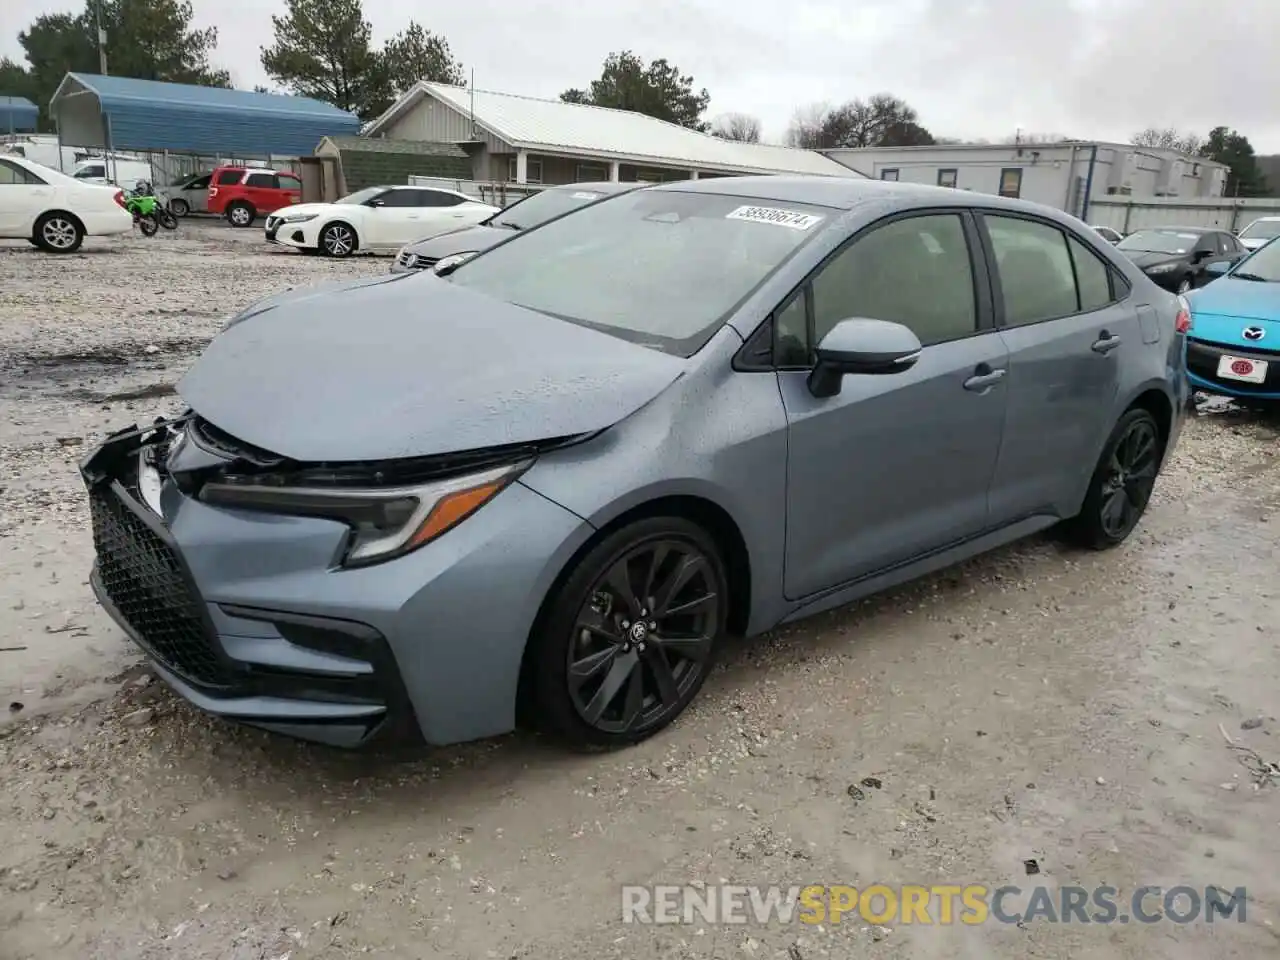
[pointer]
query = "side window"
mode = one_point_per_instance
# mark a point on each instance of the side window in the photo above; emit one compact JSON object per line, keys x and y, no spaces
{"x":437,"y":198}
{"x":289,"y":183}
{"x":199,"y":183}
{"x":1036,"y":276}
{"x":914,"y":271}
{"x":261,"y":180}
{"x":401,"y":198}
{"x":12,"y":175}
{"x":96,"y":170}
{"x":1092,"y":277}
{"x":228,"y":177}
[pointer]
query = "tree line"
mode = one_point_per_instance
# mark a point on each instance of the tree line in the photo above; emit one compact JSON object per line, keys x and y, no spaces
{"x":325,"y":49}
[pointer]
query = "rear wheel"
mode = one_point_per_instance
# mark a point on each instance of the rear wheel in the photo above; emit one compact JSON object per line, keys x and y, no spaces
{"x":240,"y":214}
{"x":338,"y":240}
{"x":58,"y":233}
{"x":628,"y":640}
{"x":1122,"y":483}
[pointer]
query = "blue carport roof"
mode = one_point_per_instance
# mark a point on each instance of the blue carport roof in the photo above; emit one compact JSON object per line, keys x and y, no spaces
{"x":17,"y":113}
{"x":151,"y":115}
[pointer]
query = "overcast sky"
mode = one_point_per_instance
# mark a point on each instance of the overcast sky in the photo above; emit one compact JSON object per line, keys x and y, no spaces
{"x":972,"y":68}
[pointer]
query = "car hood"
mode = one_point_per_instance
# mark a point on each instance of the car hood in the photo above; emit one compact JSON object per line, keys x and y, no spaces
{"x":1252,"y":243}
{"x":464,"y":240}
{"x":411,"y":365}
{"x":1241,"y":299}
{"x":315,"y":209}
{"x":1148,"y":259}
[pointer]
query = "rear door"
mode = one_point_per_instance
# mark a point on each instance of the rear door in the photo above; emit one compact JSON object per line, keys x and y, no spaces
{"x":1069,"y":322}
{"x":23,"y":197}
{"x":262,"y":190}
{"x":893,"y":466}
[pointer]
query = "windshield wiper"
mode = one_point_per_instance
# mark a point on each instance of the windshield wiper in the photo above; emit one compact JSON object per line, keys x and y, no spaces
{"x":509,"y":225}
{"x":1249,"y":276}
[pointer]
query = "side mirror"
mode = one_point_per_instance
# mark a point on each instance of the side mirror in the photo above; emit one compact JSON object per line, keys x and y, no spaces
{"x":1219,"y":267}
{"x":1201,"y":255}
{"x":375,"y":202}
{"x":862,"y":346}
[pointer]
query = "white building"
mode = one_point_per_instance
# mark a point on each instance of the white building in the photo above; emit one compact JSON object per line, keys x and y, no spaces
{"x":516,"y":139}
{"x":1056,"y":174}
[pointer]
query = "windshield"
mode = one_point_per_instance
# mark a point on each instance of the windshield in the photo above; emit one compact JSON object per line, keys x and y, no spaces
{"x":1263,"y":264}
{"x":362,"y":196}
{"x":658,"y":267}
{"x":1261,"y":230}
{"x":1159,"y":241}
{"x":541,"y":207}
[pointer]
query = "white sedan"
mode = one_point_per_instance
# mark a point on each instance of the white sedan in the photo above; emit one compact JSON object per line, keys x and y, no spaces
{"x":376,"y":218}
{"x":53,"y":211}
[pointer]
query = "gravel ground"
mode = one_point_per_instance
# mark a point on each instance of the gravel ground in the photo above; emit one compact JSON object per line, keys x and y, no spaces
{"x":1037,"y":704}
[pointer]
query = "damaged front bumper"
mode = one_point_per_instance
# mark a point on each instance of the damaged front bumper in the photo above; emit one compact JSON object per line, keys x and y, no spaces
{"x":319,"y":678}
{"x":247,"y":615}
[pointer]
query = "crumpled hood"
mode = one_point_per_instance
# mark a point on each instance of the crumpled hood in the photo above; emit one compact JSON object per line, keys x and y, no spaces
{"x":410,"y":365}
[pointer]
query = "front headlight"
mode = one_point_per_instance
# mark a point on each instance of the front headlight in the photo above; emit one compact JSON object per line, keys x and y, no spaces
{"x":385,"y":523}
{"x":1162,"y":268}
{"x":454,"y":260}
{"x":297,"y":217}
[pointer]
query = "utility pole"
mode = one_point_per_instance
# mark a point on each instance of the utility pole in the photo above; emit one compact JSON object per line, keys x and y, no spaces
{"x":102,"y":38}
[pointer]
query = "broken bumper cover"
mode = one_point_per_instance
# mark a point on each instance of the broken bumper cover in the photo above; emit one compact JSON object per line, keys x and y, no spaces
{"x":246,"y":616}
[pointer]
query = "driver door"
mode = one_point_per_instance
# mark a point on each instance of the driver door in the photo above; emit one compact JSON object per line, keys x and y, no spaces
{"x":899,"y":465}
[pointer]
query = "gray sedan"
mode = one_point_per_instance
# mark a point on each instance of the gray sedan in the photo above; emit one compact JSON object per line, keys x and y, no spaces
{"x":525,"y":214}
{"x":557,"y":475}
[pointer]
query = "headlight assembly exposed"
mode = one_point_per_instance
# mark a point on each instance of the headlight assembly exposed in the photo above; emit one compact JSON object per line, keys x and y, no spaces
{"x":385,"y":522}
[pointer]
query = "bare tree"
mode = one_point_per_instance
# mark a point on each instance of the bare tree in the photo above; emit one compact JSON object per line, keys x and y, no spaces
{"x":805,"y":129}
{"x":1022,"y":137}
{"x":737,"y":126}
{"x":1169,"y":138}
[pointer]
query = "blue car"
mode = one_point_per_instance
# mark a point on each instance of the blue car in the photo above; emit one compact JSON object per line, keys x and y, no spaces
{"x":1234,"y":344}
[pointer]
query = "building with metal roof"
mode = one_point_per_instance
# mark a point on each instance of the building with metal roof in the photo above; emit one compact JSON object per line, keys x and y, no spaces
{"x":18,"y":115}
{"x":522,"y":139}
{"x":123,"y":113}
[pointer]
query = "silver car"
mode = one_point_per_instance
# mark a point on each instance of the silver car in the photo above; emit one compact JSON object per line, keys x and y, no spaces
{"x":525,"y":214}
{"x":550,"y":481}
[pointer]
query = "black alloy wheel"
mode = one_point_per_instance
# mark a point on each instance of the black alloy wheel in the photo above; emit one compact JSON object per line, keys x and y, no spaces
{"x":1123,"y":481}
{"x":632,"y":635}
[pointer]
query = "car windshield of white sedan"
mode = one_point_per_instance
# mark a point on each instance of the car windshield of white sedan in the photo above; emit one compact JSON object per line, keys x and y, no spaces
{"x":361,"y":196}
{"x":1262,"y":265}
{"x":661,"y":268}
{"x":1159,"y":241}
{"x":1261,"y":230}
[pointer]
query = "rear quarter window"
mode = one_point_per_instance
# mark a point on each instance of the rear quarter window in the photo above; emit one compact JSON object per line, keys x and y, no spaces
{"x":228,"y":177}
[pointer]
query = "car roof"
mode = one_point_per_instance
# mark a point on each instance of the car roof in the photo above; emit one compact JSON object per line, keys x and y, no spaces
{"x":599,"y":186}
{"x":845,"y":193}
{"x":1164,"y":229}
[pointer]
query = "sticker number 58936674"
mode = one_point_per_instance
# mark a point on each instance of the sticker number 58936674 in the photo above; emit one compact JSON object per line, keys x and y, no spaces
{"x":791,"y":219}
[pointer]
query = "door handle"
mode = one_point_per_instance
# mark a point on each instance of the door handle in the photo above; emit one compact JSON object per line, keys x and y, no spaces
{"x":1105,"y":343}
{"x":984,"y":378}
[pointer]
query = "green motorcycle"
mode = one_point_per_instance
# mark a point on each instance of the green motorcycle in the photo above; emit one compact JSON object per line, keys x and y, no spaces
{"x":149,"y":214}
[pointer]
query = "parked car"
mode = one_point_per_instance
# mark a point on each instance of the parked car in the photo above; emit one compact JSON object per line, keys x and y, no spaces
{"x":1176,"y":257}
{"x":113,"y":170}
{"x":189,"y":194}
{"x":1107,"y":234}
{"x":524,"y":214}
{"x":375,"y":218}
{"x":242,"y":194}
{"x":1234,"y":345}
{"x":559,"y":473}
{"x":56,"y":212}
{"x":1259,"y":232}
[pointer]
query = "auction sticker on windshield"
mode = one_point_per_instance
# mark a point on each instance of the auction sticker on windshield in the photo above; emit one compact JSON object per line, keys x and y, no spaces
{"x":782,"y":218}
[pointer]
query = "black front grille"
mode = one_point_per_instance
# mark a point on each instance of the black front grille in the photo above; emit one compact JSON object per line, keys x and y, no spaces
{"x":1203,"y":357}
{"x":424,"y":263}
{"x":146,"y":582}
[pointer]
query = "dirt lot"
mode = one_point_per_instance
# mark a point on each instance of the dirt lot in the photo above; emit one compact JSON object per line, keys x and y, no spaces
{"x":1038,"y":704}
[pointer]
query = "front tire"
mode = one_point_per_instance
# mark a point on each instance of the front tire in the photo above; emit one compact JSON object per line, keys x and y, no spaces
{"x":1121,"y":486}
{"x":180,"y":208}
{"x":58,"y":233}
{"x":166,"y":218}
{"x":240,"y":214}
{"x":627,"y":641}
{"x":338,"y":240}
